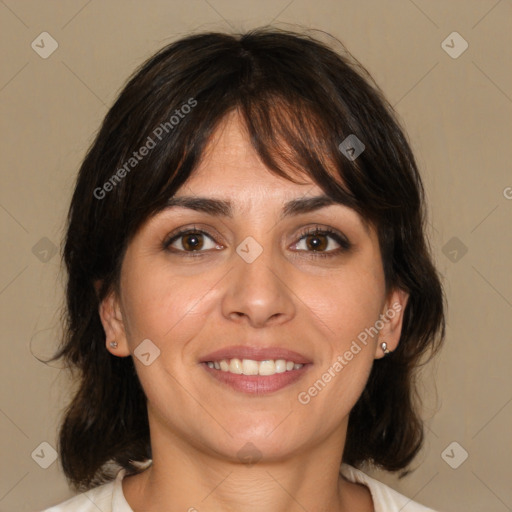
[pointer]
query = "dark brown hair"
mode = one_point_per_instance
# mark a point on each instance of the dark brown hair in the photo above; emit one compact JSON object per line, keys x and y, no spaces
{"x":299,"y":100}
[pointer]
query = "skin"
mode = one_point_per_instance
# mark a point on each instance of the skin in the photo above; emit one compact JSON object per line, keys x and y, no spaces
{"x":287,"y":298}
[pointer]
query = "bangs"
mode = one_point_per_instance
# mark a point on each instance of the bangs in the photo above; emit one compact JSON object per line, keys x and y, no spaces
{"x":294,"y":121}
{"x":292,"y":138}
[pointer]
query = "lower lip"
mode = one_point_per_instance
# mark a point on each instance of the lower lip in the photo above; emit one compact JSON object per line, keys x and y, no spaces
{"x":257,"y":384}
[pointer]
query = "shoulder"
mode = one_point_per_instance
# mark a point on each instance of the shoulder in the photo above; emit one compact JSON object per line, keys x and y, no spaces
{"x":106,"y":497}
{"x":385,"y":499}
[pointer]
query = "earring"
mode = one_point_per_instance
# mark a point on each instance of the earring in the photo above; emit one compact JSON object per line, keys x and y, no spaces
{"x":113,"y":344}
{"x":384,"y":347}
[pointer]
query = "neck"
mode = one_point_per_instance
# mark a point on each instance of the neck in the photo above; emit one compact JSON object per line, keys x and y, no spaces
{"x":185,"y":478}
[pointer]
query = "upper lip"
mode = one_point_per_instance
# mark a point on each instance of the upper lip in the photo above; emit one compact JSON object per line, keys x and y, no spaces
{"x":255,"y":353}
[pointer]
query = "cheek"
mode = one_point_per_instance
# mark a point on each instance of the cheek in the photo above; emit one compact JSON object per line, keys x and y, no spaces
{"x":345,"y":307}
{"x":160,"y":305}
{"x":346,"y":303}
{"x":345,"y":355}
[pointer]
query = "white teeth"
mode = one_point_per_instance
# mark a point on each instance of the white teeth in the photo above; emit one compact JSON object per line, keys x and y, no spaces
{"x":235,"y":366}
{"x":252,"y":367}
{"x":267,"y":368}
{"x":280,"y":366}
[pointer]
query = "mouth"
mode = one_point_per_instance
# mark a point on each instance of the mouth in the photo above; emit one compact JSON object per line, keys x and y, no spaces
{"x":255,"y":370}
{"x":253,"y":367}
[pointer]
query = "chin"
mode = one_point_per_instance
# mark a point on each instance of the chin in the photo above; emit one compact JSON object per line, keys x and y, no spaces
{"x":267,"y":441}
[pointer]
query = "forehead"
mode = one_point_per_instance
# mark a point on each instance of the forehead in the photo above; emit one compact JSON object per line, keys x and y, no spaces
{"x":231,"y":177}
{"x":230,"y":162}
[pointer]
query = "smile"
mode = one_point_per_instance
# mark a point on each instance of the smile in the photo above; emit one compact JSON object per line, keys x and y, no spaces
{"x":252,"y":367}
{"x":262,"y":378}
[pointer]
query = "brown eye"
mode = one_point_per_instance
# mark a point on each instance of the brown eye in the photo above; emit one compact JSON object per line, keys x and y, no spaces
{"x":316,"y":242}
{"x":190,"y":241}
{"x":322,"y":242}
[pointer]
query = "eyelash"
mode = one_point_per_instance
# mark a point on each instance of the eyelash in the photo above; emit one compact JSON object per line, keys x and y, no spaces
{"x":345,"y":245}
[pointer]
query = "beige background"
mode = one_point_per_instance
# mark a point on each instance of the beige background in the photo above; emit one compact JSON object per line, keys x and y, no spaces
{"x":457,"y":112}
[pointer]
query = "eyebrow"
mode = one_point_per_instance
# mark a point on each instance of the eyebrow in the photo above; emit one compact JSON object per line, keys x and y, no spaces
{"x":222,"y":208}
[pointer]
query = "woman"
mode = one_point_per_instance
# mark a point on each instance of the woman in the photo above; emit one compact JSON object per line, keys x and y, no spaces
{"x":250,"y":288}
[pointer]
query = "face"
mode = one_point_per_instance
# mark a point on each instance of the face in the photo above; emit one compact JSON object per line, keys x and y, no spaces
{"x":259,"y":282}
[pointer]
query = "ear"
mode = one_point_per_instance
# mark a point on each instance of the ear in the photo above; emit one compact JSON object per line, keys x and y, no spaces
{"x":113,"y":325}
{"x":391,"y":316}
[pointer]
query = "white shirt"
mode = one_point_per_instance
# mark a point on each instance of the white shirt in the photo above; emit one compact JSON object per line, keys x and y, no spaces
{"x":109,"y":497}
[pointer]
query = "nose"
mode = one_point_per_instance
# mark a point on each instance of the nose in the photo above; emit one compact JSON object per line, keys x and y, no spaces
{"x":258,"y":292}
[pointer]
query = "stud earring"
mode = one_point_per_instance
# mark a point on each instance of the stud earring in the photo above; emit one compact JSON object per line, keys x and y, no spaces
{"x":113,"y":344}
{"x":385,"y":348}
